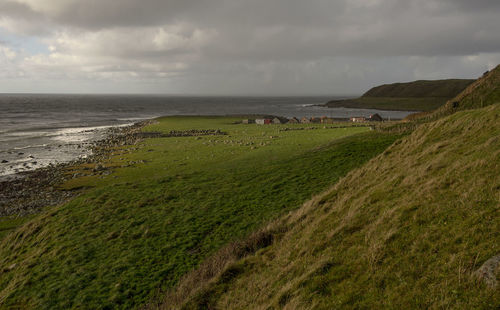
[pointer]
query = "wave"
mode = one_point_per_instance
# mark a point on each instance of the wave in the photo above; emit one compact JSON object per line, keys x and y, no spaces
{"x":29,"y":146}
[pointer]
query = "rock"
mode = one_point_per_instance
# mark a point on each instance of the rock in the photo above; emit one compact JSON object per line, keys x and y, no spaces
{"x":487,"y":272}
{"x":4,"y":161}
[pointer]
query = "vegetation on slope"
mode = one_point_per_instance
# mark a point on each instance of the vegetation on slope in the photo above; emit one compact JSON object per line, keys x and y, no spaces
{"x":483,"y":92}
{"x":407,"y":230}
{"x":412,"y":96}
{"x":418,"y":89}
{"x":167,"y":206}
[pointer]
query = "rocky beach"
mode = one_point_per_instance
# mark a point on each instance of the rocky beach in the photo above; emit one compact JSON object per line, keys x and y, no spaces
{"x":28,"y":192}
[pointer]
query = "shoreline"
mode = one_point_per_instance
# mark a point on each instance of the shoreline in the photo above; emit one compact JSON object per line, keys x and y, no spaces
{"x":40,"y":147}
{"x":28,"y":192}
{"x":347,"y":106}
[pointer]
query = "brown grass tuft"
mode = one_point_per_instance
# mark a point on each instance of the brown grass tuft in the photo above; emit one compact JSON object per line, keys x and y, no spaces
{"x":218,"y":266}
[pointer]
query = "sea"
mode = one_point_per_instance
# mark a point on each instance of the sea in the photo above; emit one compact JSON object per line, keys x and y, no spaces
{"x":37,"y":130}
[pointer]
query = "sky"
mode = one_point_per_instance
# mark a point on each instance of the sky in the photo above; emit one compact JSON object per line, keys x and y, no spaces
{"x":241,"y":47}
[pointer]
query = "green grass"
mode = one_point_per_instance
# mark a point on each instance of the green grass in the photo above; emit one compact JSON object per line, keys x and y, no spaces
{"x":406,"y":230}
{"x":169,"y":204}
{"x":9,"y":223}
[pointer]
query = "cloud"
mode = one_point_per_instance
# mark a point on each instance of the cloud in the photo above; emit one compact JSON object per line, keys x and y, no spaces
{"x":254,"y":46}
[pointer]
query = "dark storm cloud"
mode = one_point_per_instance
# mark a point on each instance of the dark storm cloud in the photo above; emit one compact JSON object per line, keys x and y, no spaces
{"x":478,"y":5}
{"x":292,"y":28}
{"x":191,"y":39}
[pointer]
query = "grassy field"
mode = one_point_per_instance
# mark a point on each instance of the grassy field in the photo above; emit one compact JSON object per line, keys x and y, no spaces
{"x":410,"y":229}
{"x":167,"y":205}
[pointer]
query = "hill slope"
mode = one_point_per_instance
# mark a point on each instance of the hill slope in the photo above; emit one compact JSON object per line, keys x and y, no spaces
{"x":413,"y":96}
{"x":407,"y":230}
{"x":483,"y":92}
{"x":422,"y":88}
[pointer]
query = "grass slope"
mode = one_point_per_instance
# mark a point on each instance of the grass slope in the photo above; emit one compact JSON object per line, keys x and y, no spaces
{"x":413,"y":96}
{"x":418,"y":89}
{"x":169,"y":204}
{"x":483,"y":92}
{"x":407,"y":230}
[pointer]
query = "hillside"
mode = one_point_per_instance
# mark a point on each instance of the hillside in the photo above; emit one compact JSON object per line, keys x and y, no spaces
{"x":418,"y":89}
{"x":409,"y":229}
{"x":413,"y":96}
{"x":484,"y":92}
{"x":155,"y":210}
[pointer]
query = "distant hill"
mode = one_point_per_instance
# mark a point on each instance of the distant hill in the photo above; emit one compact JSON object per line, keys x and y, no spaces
{"x":416,"y":227}
{"x":420,"y":95}
{"x":419,"y":89}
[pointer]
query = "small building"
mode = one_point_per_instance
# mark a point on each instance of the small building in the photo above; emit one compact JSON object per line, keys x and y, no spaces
{"x":268,"y":121}
{"x":326,"y":120}
{"x":375,"y":118}
{"x":260,"y":121}
{"x":315,"y":120}
{"x":293,"y":120}
{"x":248,"y":121}
{"x":305,"y":120}
{"x":276,"y":120}
{"x":359,"y":119}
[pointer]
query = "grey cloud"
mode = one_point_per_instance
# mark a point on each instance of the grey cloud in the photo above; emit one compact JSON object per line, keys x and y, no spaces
{"x":26,"y":20}
{"x":16,"y":9}
{"x":477,"y":5}
{"x":261,"y":44}
{"x":294,"y":29}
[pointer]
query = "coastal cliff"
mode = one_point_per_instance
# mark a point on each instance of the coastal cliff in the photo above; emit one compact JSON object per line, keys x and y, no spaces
{"x":413,"y":96}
